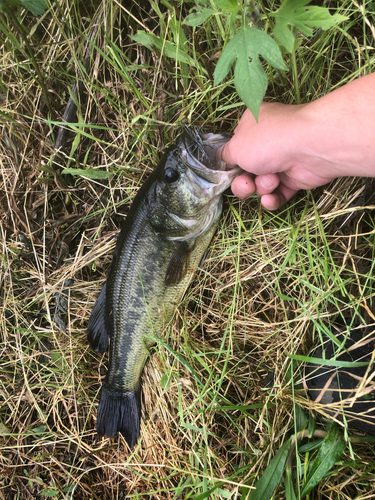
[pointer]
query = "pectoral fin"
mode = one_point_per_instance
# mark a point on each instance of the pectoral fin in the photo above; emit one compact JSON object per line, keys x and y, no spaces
{"x":179,"y":264}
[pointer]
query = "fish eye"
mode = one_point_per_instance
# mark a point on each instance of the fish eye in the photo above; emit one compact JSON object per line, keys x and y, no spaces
{"x":171,"y":175}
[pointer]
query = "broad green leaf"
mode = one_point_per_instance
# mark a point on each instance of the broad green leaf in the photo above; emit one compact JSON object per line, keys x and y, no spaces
{"x":48,"y":492}
{"x":250,"y":78}
{"x":271,"y":476}
{"x":57,"y":359}
{"x":146,"y":39}
{"x":39,"y":430}
{"x":311,"y":446}
{"x":227,"y":5}
{"x":312,"y":425}
{"x":165,"y":381}
{"x":330,"y":451}
{"x":90,"y":173}
{"x":164,"y":47}
{"x":36,"y":7}
{"x":199,"y":17}
{"x":224,"y":493}
{"x":295,"y":13}
{"x":300,"y":418}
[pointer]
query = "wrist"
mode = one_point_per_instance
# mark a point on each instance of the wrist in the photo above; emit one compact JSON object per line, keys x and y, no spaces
{"x":339,"y":130}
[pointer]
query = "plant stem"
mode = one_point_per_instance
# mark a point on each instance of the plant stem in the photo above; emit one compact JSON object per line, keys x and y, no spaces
{"x":295,"y":71}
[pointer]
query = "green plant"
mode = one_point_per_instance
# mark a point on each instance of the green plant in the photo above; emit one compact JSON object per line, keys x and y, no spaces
{"x":330,"y":446}
{"x":243,"y":21}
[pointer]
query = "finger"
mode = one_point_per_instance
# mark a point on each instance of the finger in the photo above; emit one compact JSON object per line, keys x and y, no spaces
{"x":278,"y":198}
{"x":218,"y":153}
{"x":266,"y":183}
{"x":243,"y":186}
{"x":224,"y":153}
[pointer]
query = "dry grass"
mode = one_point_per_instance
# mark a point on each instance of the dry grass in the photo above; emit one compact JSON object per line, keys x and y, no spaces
{"x":218,"y":401}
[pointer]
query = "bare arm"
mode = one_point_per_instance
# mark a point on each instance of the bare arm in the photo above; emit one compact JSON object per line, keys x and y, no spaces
{"x":295,"y":147}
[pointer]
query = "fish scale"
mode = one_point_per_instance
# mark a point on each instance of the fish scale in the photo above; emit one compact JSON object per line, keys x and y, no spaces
{"x":162,"y":242}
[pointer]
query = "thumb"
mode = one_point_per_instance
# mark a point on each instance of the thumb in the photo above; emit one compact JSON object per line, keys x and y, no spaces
{"x":223,"y":153}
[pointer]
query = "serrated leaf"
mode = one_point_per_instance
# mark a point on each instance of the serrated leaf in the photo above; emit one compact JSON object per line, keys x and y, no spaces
{"x":271,"y":476}
{"x":330,"y":451}
{"x":250,"y":78}
{"x":36,"y":7}
{"x":251,"y":84}
{"x":227,"y":5}
{"x":199,"y":17}
{"x":295,"y":13}
{"x":90,"y":173}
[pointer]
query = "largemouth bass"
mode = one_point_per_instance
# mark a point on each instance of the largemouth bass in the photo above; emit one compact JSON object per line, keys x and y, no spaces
{"x":162,"y":242}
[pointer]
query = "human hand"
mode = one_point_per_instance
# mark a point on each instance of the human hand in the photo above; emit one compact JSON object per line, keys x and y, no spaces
{"x":274,"y":155}
{"x":304,"y":146}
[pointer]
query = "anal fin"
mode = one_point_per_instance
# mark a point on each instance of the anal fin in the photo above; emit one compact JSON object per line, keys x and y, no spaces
{"x":97,"y":332}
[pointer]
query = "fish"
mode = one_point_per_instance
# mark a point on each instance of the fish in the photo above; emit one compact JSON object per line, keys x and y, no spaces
{"x":162,"y":242}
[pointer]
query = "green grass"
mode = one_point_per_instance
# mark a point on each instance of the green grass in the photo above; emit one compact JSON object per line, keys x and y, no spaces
{"x":221,"y":393}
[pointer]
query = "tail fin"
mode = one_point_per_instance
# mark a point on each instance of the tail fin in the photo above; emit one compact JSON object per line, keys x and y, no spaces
{"x":119,"y":412}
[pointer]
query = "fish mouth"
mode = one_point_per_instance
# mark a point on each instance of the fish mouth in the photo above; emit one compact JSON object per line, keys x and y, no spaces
{"x":198,"y":153}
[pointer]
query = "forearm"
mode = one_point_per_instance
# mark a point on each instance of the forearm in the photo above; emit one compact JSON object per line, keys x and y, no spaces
{"x":337,"y":130}
{"x":340,"y":130}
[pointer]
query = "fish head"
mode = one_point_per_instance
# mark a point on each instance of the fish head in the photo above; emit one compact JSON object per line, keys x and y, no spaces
{"x":190,"y":183}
